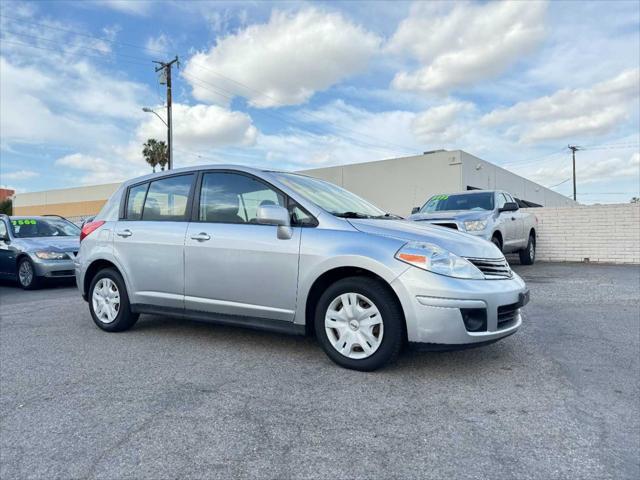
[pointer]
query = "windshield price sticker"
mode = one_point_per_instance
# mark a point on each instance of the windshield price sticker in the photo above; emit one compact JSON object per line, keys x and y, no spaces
{"x":26,"y":221}
{"x":441,"y":197}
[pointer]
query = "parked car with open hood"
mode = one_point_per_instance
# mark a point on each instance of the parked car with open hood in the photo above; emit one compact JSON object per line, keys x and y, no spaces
{"x":490,"y":214}
{"x":292,"y":254}
{"x":37,"y":247}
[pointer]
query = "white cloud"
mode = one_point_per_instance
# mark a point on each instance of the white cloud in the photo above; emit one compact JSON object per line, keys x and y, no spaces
{"x":572,"y":112}
{"x":132,"y":7}
{"x":442,"y":123}
{"x":159,"y":44}
{"x":202,"y":126}
{"x":19,"y":175}
{"x":459,"y":45}
{"x":96,"y":170}
{"x":284,"y":61}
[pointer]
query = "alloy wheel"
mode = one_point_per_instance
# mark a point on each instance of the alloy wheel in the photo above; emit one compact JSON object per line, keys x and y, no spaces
{"x":106,"y":300}
{"x":354,"y":326}
{"x":25,"y":274}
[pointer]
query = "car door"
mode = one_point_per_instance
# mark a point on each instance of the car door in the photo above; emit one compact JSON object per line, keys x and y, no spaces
{"x":7,"y":255}
{"x":507,"y":223}
{"x":235,"y":266}
{"x":149,"y":240}
{"x":518,"y":229}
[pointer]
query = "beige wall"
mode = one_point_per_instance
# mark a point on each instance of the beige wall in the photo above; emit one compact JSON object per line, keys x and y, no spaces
{"x":397,"y":185}
{"x":68,"y":202}
{"x":599,"y":233}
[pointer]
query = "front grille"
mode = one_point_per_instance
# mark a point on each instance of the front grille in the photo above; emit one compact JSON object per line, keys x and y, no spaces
{"x":493,"y":269}
{"x":507,"y":315}
{"x":448,"y":225}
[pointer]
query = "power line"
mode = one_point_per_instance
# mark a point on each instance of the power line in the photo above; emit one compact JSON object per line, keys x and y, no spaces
{"x":558,"y":184}
{"x":75,"y":32}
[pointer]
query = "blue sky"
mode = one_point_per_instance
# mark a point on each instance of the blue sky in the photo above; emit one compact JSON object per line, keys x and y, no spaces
{"x":299,"y":85}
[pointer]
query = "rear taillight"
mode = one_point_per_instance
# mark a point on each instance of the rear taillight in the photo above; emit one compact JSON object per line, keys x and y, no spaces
{"x":88,"y":228}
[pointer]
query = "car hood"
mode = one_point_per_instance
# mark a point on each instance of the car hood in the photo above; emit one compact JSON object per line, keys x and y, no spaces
{"x":55,"y":244}
{"x":462,"y":244}
{"x":460,"y":215}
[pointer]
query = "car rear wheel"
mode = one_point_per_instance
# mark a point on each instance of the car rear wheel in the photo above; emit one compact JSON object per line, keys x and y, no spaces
{"x":528,"y":255}
{"x":27,"y":277}
{"x":359,"y":324}
{"x":109,"y":302}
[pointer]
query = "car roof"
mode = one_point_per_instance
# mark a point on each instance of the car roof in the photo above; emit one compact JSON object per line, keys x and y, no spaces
{"x":196,"y":168}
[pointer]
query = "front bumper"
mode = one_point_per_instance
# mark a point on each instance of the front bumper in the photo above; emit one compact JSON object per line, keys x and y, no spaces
{"x":53,"y":268}
{"x":434,"y":307}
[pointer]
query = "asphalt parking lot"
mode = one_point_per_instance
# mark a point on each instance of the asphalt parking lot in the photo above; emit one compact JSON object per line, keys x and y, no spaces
{"x":179,"y":399}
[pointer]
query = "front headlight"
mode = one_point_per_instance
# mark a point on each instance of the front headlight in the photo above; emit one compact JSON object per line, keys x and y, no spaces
{"x":51,"y":255}
{"x":428,"y":256}
{"x":475,"y":225}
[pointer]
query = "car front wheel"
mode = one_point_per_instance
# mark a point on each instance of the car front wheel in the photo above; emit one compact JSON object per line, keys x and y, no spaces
{"x":109,"y":302}
{"x":359,"y":324}
{"x":27,"y":277}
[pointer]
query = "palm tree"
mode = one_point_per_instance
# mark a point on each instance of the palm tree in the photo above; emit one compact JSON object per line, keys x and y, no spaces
{"x":155,"y":153}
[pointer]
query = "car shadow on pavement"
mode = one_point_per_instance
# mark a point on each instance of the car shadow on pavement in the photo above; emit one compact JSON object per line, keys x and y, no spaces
{"x":467,"y":361}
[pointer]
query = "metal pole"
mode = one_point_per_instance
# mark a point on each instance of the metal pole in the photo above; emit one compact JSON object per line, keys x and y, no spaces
{"x":167,"y":68}
{"x":573,"y":149}
{"x":169,"y":122}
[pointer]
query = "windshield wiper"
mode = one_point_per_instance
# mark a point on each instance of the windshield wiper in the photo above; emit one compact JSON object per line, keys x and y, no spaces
{"x":391,"y":216}
{"x":350,"y":215}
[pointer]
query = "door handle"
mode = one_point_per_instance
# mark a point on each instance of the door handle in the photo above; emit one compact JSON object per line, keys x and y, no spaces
{"x":513,"y":218}
{"x":201,"y":237}
{"x":124,"y":233}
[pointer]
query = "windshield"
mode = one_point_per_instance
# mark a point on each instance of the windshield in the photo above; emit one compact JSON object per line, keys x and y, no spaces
{"x":330,"y":197}
{"x":43,"y":227}
{"x":472,"y":201}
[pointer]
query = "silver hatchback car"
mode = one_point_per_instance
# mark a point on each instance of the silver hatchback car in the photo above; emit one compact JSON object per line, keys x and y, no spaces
{"x":293,"y":254}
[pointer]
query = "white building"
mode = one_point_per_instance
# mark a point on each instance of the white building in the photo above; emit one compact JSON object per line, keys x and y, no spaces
{"x":396,"y":185}
{"x":399,"y":184}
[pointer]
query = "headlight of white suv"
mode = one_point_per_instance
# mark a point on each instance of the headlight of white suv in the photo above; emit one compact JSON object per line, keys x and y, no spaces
{"x":433,"y":258}
{"x":51,"y":255}
{"x":475,"y":225}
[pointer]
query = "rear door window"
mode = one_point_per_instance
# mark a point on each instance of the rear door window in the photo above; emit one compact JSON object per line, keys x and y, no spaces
{"x":168,"y":199}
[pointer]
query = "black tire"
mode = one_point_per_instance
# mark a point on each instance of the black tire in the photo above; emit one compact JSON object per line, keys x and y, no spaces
{"x":34,"y":281}
{"x":496,"y":241}
{"x":528,"y":255}
{"x":125,"y":318}
{"x":390,"y":311}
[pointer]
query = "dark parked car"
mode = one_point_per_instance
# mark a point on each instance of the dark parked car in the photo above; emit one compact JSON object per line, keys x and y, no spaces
{"x":33,"y":248}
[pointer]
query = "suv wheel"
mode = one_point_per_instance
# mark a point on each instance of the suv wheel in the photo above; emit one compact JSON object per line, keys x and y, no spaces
{"x":27,"y":277}
{"x":528,"y":255}
{"x":359,"y":324}
{"x":109,"y":302}
{"x":496,"y":241}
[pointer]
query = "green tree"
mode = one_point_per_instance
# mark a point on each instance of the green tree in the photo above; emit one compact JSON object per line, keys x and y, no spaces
{"x":155,"y":153}
{"x":6,"y":206}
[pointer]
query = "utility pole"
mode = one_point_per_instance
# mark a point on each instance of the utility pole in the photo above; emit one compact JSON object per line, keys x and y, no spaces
{"x":573,"y":149}
{"x":166,"y":79}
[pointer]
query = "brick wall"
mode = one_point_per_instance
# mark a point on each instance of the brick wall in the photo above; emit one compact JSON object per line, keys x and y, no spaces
{"x":599,"y":233}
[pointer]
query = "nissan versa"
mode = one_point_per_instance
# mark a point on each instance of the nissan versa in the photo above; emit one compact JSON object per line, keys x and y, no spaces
{"x":294,"y":254}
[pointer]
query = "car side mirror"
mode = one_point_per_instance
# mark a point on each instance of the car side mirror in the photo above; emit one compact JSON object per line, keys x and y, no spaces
{"x":509,"y":207}
{"x":276,"y":215}
{"x":415,"y":210}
